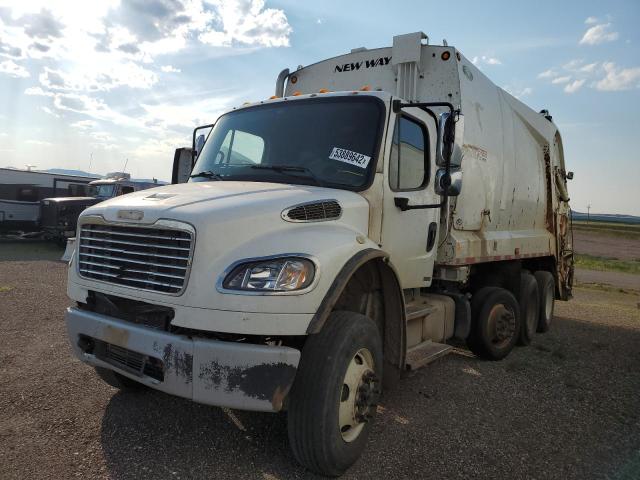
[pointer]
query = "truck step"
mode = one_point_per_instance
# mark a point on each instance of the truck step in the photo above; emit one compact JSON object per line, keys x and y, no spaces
{"x":425,"y":353}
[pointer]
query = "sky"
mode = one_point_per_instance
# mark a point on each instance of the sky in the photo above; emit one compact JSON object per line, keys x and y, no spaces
{"x":91,"y":85}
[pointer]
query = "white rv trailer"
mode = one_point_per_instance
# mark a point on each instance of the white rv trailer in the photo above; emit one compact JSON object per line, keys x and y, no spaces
{"x":382,"y":206}
{"x":22,"y":190}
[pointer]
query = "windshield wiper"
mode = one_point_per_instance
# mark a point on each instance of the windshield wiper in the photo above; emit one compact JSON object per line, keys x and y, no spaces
{"x":208,"y":174}
{"x":285,"y":169}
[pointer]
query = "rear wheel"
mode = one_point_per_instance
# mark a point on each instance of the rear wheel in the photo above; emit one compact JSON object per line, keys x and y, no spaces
{"x":335,"y":394}
{"x":529,"y":308}
{"x":546,"y":292}
{"x":495,"y":323}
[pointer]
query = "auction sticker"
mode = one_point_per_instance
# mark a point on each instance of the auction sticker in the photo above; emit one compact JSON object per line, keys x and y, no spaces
{"x":350,"y":157}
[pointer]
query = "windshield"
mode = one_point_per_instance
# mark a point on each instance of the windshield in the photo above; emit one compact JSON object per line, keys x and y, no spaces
{"x":102,"y":191}
{"x":325,"y":141}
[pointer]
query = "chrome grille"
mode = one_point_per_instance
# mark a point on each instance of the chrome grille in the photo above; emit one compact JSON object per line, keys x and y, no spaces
{"x":154,"y":259}
{"x":314,"y":211}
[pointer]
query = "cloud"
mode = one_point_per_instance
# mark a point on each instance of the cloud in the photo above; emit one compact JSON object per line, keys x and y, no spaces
{"x":547,"y":74}
{"x":247,"y":22}
{"x":599,"y":33}
{"x":42,"y":25}
{"x":486,"y":60}
{"x":50,"y":112}
{"x":41,"y":143}
{"x":84,"y":125}
{"x":170,"y":69}
{"x":12,"y":69}
{"x":618,"y":78}
{"x":591,"y":20}
{"x":559,"y":80}
{"x":104,"y":77}
{"x":574,"y":86}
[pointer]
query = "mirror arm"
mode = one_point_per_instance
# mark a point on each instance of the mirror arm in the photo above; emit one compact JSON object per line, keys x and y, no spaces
{"x":402,"y":202}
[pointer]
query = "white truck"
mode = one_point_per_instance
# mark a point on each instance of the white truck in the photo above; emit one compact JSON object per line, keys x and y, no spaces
{"x":381,"y":208}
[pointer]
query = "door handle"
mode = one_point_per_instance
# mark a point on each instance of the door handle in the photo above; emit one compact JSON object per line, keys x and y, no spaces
{"x":431,"y":235}
{"x":403,"y":204}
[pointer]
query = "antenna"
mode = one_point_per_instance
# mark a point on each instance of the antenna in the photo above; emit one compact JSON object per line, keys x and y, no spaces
{"x":124,"y":169}
{"x":588,"y":212}
{"x":90,"y":161}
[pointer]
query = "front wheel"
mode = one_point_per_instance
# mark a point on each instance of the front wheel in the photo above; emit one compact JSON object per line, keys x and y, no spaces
{"x":334,"y":398}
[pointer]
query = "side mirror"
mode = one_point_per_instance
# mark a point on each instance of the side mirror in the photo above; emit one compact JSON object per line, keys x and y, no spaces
{"x":569,"y":175}
{"x":450,"y":182}
{"x":199,"y":144}
{"x":450,"y":127}
{"x":182,"y":165}
{"x":446,"y":136}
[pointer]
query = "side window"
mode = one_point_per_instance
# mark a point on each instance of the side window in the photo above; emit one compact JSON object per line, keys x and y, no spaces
{"x":240,"y":148}
{"x":408,"y":164}
{"x":77,"y":190}
{"x":27,"y":194}
{"x":126,"y":189}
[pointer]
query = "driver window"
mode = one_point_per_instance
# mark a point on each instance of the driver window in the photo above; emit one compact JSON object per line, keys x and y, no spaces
{"x":240,"y":148}
{"x":408,"y":163}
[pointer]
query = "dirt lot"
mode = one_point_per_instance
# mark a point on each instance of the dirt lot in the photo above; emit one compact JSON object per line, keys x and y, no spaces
{"x":603,"y":244}
{"x":566,"y":407}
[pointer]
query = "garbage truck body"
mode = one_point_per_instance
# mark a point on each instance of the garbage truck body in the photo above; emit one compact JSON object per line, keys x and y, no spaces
{"x":382,"y":207}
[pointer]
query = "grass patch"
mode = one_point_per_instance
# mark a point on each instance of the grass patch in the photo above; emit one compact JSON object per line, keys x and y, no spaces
{"x":5,"y":288}
{"x":603,"y":264}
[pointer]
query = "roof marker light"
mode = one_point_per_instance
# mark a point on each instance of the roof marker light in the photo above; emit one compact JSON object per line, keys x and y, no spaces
{"x":273,"y":97}
{"x":296,"y":93}
{"x":323,"y":90}
{"x":365,"y":88}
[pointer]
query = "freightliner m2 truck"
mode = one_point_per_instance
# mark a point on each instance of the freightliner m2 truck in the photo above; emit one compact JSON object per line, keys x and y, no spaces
{"x":383,"y":207}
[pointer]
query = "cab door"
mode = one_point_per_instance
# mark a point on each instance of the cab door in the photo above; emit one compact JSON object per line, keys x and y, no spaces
{"x":410,"y":237}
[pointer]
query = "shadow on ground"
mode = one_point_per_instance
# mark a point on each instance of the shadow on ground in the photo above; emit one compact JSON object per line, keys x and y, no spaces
{"x":27,"y":250}
{"x":566,"y":407}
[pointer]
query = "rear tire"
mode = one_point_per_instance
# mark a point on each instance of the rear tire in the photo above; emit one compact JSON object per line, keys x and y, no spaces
{"x":119,"y":381}
{"x":529,"y":301}
{"x":547,"y":293}
{"x":495,"y":323}
{"x":333,"y":400}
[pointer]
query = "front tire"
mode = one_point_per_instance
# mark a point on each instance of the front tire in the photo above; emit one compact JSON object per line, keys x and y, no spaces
{"x":334,"y":398}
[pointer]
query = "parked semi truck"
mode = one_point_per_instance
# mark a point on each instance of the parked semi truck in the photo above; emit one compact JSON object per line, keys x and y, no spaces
{"x":59,"y":216}
{"x":382,"y":207}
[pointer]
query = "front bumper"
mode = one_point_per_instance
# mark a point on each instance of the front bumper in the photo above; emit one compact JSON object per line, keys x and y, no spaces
{"x":213,"y":372}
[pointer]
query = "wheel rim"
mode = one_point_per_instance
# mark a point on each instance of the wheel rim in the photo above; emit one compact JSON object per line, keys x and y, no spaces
{"x":548,"y":303}
{"x":502,"y":325}
{"x":359,"y":395}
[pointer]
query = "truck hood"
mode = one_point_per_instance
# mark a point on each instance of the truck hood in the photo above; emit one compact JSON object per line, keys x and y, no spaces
{"x":218,"y":202}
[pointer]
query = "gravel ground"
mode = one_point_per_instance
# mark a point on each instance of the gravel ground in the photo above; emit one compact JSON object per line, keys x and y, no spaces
{"x":566,"y":407}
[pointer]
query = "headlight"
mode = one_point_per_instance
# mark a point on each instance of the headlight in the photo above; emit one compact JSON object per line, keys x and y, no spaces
{"x":275,"y":275}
